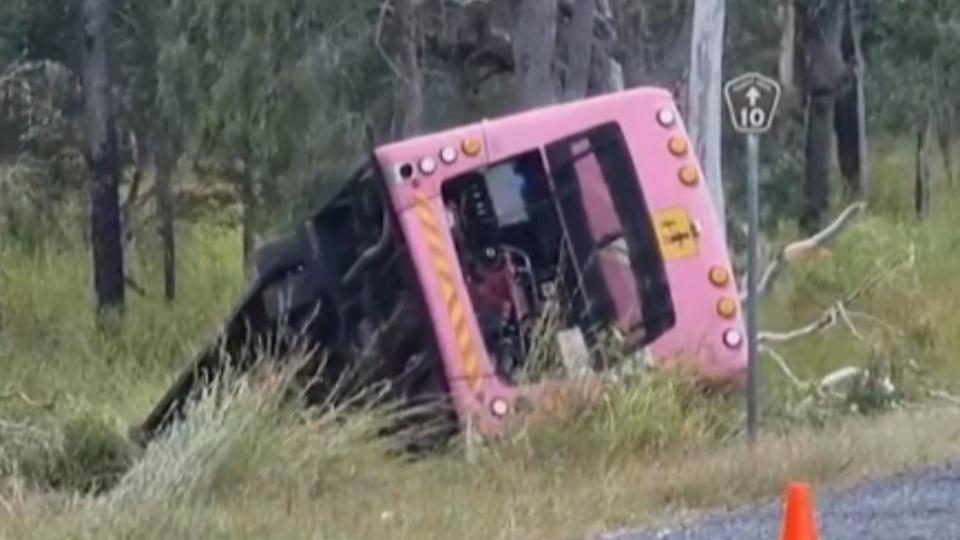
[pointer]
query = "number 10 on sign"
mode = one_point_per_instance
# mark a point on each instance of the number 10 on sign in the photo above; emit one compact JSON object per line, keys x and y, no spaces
{"x":752,"y":118}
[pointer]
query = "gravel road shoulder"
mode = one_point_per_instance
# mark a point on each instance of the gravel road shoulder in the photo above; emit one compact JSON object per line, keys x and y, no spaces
{"x":919,"y":505}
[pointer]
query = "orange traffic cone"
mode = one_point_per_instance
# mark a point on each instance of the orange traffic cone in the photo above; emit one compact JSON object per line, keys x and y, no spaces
{"x":799,"y":522}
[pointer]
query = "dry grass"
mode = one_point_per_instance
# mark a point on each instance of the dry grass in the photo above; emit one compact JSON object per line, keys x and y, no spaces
{"x":248,"y":469}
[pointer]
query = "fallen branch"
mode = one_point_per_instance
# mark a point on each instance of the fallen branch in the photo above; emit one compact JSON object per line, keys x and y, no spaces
{"x":876,"y":320}
{"x":782,"y":363}
{"x":797,"y":249}
{"x":827,"y":320}
{"x":845,"y":317}
{"x":29,"y":401}
{"x":136,"y":287}
{"x":839,"y":376}
{"x":945,"y":396}
{"x":838,"y":310}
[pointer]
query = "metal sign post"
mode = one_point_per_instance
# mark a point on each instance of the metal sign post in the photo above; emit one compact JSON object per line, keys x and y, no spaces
{"x":752,"y":101}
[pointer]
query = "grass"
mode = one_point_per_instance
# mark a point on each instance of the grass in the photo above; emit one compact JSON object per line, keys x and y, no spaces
{"x":244,"y":467}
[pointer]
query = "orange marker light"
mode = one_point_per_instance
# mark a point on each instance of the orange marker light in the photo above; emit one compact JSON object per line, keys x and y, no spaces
{"x":689,"y":176}
{"x":719,"y":276}
{"x":471,"y":146}
{"x":727,"y":308}
{"x":678,"y":146}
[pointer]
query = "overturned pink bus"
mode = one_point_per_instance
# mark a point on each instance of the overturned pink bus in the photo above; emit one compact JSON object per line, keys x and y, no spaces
{"x":431,"y":270}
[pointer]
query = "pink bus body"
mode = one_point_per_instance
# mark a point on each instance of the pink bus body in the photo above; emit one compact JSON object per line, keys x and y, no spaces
{"x":706,"y":328}
{"x":475,"y":226}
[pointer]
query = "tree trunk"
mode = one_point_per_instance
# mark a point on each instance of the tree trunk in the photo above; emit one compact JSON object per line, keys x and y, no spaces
{"x":166,"y":208}
{"x":144,"y":159}
{"x":580,"y":50}
{"x":248,"y":202}
{"x":410,"y":100}
{"x":851,"y":111}
{"x":819,"y":157}
{"x":922,"y":182}
{"x":825,"y":73}
{"x":647,"y":60}
{"x":102,"y":155}
{"x":630,"y":18}
{"x":534,"y":43}
{"x":705,"y":91}
{"x":606,"y":72}
{"x":945,"y":141}
{"x":786,"y":64}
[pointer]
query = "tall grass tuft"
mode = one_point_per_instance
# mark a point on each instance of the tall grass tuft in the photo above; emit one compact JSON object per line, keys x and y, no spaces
{"x":248,"y":463}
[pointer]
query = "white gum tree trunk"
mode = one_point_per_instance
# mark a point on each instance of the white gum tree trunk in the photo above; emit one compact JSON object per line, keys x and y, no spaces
{"x":705,"y":91}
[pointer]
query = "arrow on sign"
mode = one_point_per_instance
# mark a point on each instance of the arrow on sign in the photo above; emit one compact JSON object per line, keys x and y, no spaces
{"x":753,"y":96}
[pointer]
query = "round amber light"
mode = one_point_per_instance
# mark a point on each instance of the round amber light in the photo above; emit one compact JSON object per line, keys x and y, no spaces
{"x":719,"y":276}
{"x":689,"y":176}
{"x":678,"y":146}
{"x":727,"y":308}
{"x":471,"y":146}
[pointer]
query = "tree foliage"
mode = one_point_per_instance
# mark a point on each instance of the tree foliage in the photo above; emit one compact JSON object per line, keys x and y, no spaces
{"x":271,"y":101}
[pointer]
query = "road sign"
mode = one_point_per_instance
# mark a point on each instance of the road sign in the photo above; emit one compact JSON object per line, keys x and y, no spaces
{"x":752,"y":100}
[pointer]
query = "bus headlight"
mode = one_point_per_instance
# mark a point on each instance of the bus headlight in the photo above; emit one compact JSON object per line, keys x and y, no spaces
{"x":666,"y":117}
{"x":428,"y":166}
{"x":499,"y":407}
{"x":732,"y":339}
{"x":448,"y":155}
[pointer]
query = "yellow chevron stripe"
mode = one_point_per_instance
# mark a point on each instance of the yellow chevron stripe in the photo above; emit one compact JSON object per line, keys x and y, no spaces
{"x":456,"y":313}
{"x":448,"y":291}
{"x":434,"y":240}
{"x":463,"y":339}
{"x":444,"y":273}
{"x":425,"y":210}
{"x":441,"y":265}
{"x":472,"y":369}
{"x":425,"y":213}
{"x":443,"y":269}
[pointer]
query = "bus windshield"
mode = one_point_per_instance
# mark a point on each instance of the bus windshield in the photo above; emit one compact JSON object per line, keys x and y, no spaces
{"x":611,"y":234}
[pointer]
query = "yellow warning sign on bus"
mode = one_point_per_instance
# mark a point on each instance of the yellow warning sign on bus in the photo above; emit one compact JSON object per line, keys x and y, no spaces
{"x":675,"y":233}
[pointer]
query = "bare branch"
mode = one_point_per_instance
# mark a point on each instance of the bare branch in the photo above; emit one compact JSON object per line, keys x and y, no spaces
{"x":839,"y":376}
{"x":841,"y":310}
{"x":838,"y":310}
{"x":29,"y":401}
{"x":803,"y":247}
{"x":782,"y":363}
{"x":6,"y":506}
{"x":945,"y":396}
{"x":827,"y":320}
{"x":874,"y":319}
{"x":397,"y":72}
